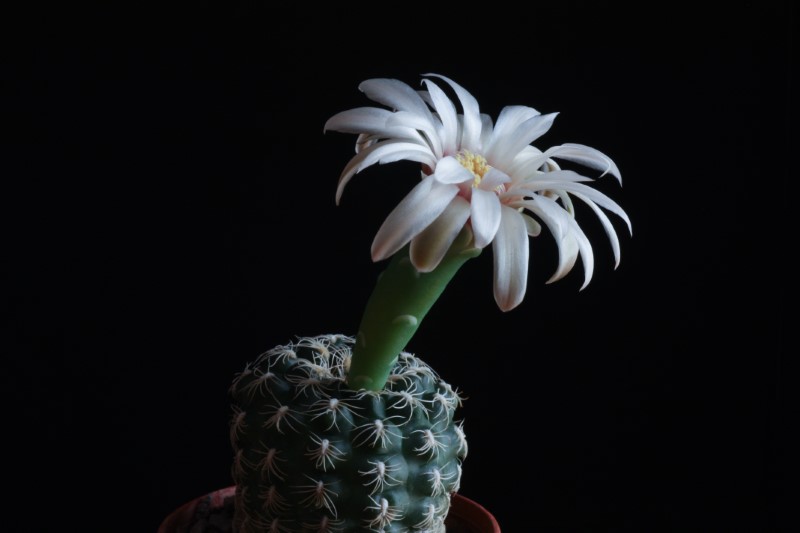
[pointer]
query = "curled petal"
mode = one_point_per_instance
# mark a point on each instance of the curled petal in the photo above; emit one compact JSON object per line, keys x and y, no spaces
{"x":527,"y":163}
{"x":365,"y":140}
{"x":568,"y":251}
{"x":568,"y":236}
{"x":510,"y":250}
{"x":533,"y":227}
{"x":534,"y":181}
{"x":397,"y":95}
{"x":485,"y":216}
{"x":449,"y":170}
{"x":566,"y":201}
{"x":607,"y":226}
{"x":552,"y":214}
{"x":585,"y":248}
{"x":383,"y":152}
{"x":586,"y":156}
{"x":370,"y":121}
{"x":508,"y":121}
{"x":412,"y":121}
{"x":471,"y":127}
{"x":412,"y":215}
{"x":430,"y":246}
{"x":573,"y":187}
{"x":503,"y":153}
{"x":486,"y":129}
{"x":447,"y":114}
{"x":493,"y":179}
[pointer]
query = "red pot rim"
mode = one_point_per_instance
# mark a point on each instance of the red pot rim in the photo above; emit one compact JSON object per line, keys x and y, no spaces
{"x":465,"y":513}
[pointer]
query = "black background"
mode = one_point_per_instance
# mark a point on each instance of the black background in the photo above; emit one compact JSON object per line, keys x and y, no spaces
{"x":168,"y":205}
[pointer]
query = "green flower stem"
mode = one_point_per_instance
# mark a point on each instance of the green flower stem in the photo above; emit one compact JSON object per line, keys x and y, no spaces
{"x":401,"y":299}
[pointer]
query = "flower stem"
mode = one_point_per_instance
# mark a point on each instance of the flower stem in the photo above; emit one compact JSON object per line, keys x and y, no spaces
{"x":401,"y":299}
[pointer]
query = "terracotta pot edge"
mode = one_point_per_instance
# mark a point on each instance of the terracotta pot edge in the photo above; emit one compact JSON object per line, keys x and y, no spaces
{"x":462,"y":507}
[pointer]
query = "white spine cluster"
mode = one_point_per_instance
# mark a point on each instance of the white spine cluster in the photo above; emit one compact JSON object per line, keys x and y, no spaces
{"x":325,"y":525}
{"x":323,"y":453}
{"x":385,"y":514}
{"x":280,"y":415}
{"x":373,"y":433}
{"x":274,"y":502}
{"x":437,"y":481}
{"x":333,"y":407}
{"x":432,"y":443}
{"x":429,"y":521}
{"x":463,"y":448}
{"x":241,"y":465}
{"x":318,"y":495}
{"x":269,"y":465}
{"x":260,"y":382}
{"x":238,"y":425}
{"x":410,"y":401}
{"x":380,"y":476}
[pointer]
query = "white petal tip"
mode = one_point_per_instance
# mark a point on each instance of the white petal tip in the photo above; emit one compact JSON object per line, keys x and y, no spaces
{"x":377,"y":255}
{"x":425,"y":270}
{"x":506,"y":306}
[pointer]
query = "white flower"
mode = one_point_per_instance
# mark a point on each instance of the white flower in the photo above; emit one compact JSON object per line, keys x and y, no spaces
{"x":477,"y":173}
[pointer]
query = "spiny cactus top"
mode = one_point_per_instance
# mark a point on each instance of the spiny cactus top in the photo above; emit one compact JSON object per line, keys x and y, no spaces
{"x":312,"y":454}
{"x":481,"y":183}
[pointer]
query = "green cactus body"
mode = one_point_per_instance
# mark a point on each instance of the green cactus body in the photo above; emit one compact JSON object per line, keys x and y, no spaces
{"x":312,"y":455}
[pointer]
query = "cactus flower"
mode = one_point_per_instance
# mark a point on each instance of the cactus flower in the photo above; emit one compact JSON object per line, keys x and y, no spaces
{"x":478,"y":174}
{"x":482,"y":182}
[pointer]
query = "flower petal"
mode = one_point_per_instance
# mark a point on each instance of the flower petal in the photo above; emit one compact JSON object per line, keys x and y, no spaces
{"x":579,"y":188}
{"x":366,"y":140}
{"x":607,"y":226}
{"x":369,"y":120}
{"x":510,"y":251}
{"x":568,"y":236}
{"x":533,"y":227}
{"x":527,"y":163}
{"x":383,"y":152}
{"x":586,"y":156}
{"x":487,"y":127}
{"x":552,"y":214}
{"x":587,"y":255}
{"x":493,"y":179}
{"x":449,"y":170}
{"x":534,"y":181}
{"x":508,"y":121}
{"x":471,"y":129}
{"x":568,"y":251}
{"x":506,"y":147}
{"x":426,"y":201}
{"x":447,"y":114}
{"x":430,"y":246}
{"x":405,"y":119}
{"x":397,"y":95}
{"x":485,"y":216}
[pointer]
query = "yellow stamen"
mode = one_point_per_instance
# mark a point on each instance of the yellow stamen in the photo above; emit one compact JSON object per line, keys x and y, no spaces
{"x":474,"y":163}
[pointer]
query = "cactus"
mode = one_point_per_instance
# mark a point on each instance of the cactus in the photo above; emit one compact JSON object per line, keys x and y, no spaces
{"x":312,"y":454}
{"x":340,"y":434}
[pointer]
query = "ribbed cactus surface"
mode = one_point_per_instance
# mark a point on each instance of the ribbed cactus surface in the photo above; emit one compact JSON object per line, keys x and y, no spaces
{"x":312,"y":455}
